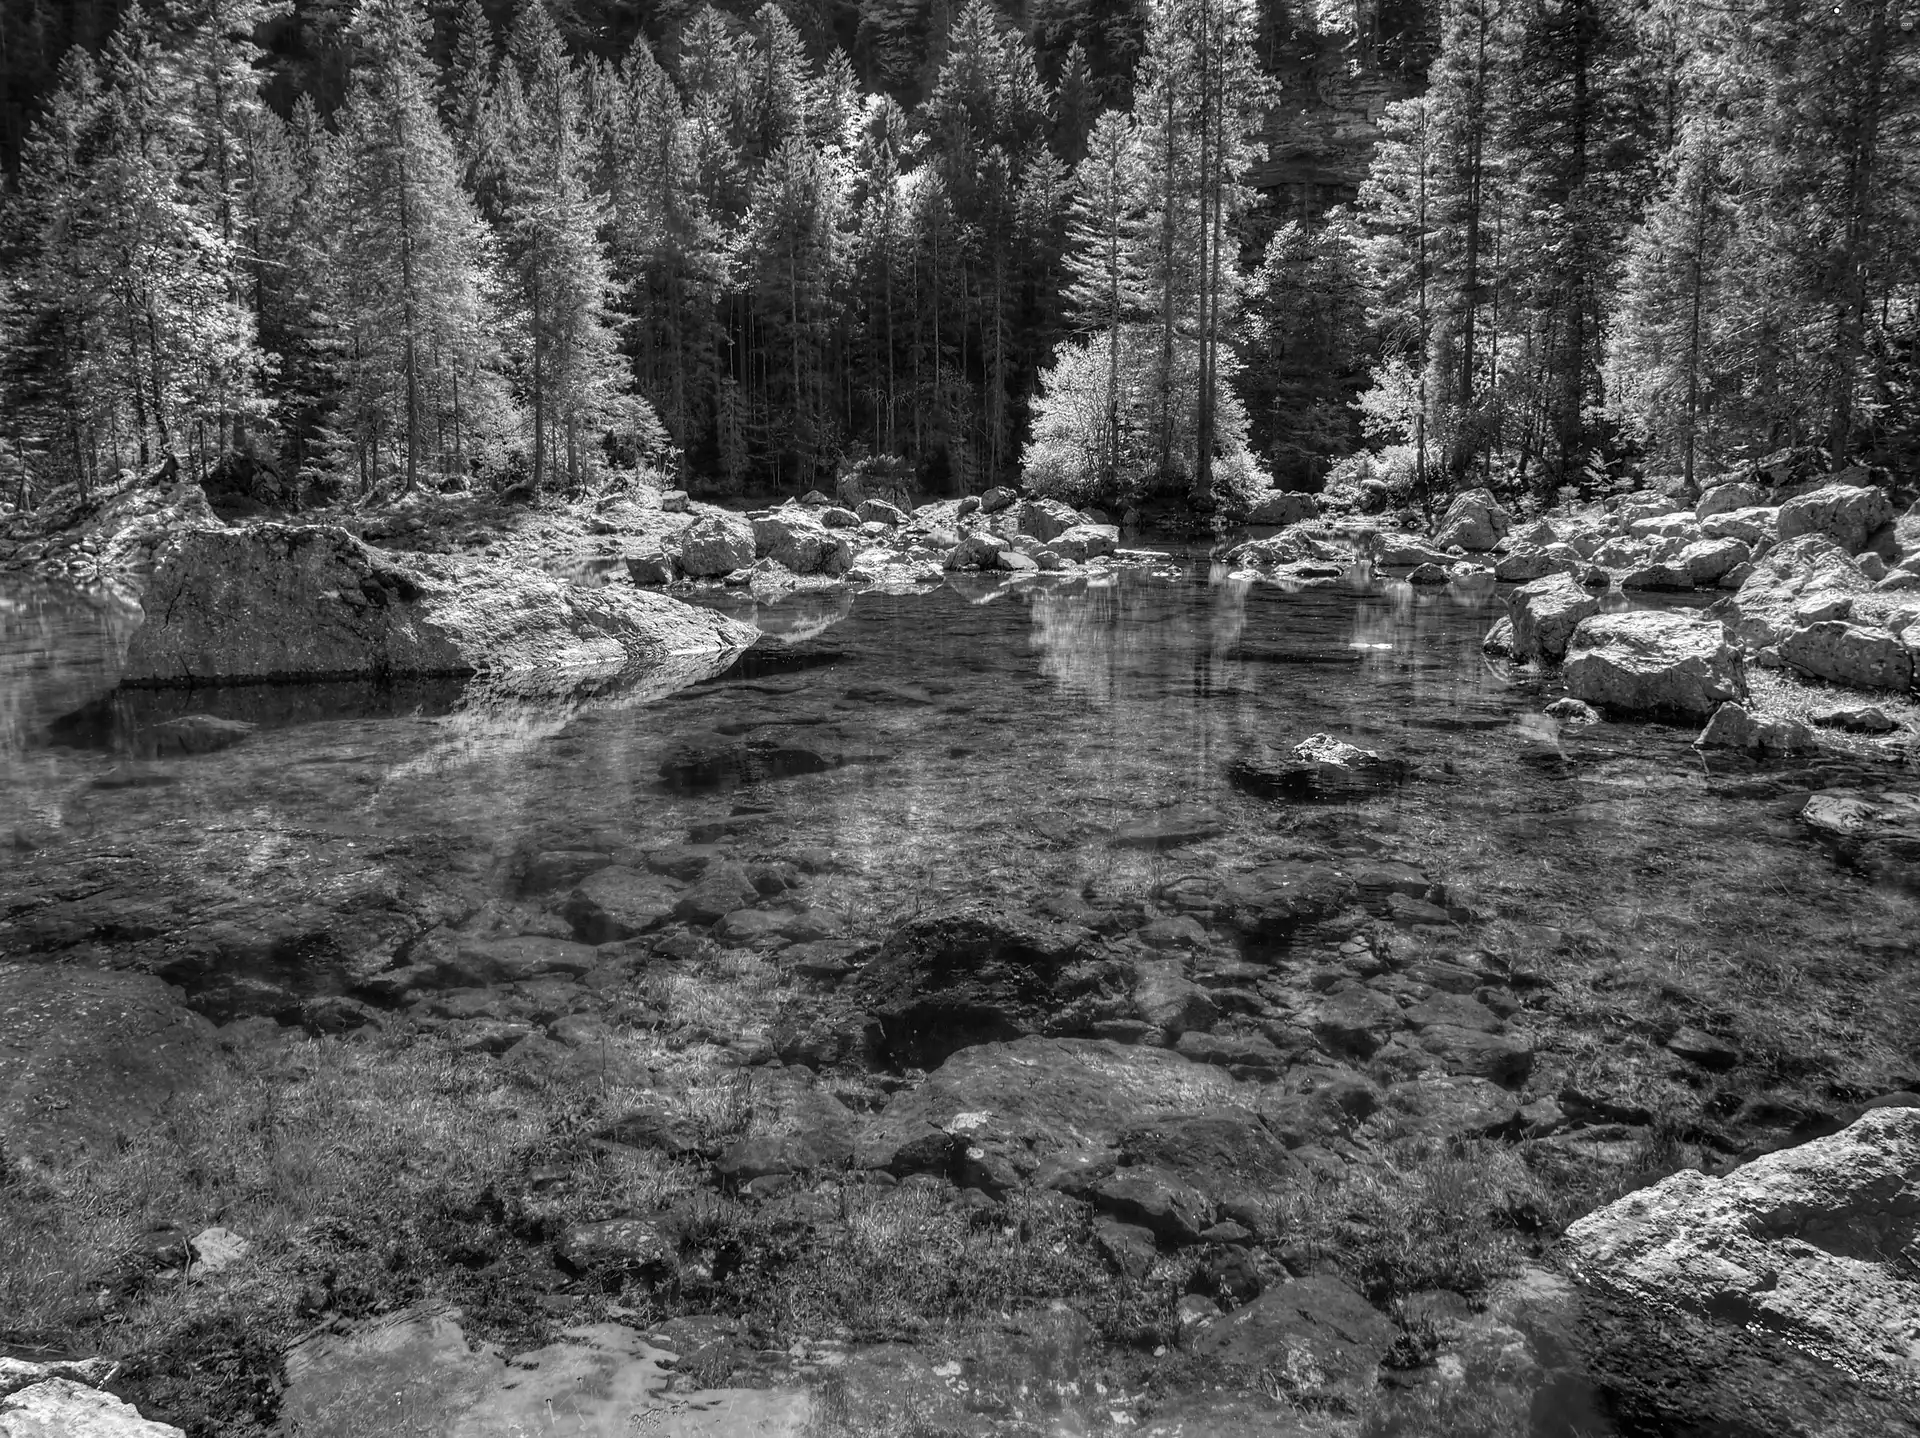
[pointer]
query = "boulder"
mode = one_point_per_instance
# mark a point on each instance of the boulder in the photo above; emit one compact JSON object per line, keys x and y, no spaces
{"x":1653,"y":661}
{"x":277,"y":602}
{"x":977,"y":972}
{"x":1519,"y":565}
{"x":1429,"y":574}
{"x":1779,"y":1299}
{"x":1850,"y":654}
{"x":1722,"y":498}
{"x":873,"y":511}
{"x":62,"y":1408}
{"x":1849,"y":515}
{"x":1545,"y":614}
{"x":834,"y":517}
{"x":1085,"y":541}
{"x":651,"y":566}
{"x":1282,"y":507}
{"x":1733,"y":726}
{"x":997,"y":499}
{"x":1878,"y":834}
{"x":1750,"y":526}
{"x":1321,"y":1338}
{"x":975,"y":551}
{"x":1498,"y":641}
{"x":1802,"y":581}
{"x":1474,"y":520}
{"x":1673,"y":578}
{"x":716,"y":543}
{"x":1708,"y":561}
{"x":1045,"y":519}
{"x":793,"y":537}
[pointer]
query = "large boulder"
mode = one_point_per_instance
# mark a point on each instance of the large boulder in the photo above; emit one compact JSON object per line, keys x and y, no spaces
{"x":1524,"y":563}
{"x":977,"y":972}
{"x":62,"y":1408}
{"x":313,"y":602}
{"x":1400,"y":551}
{"x":1850,"y":654}
{"x":797,"y":539}
{"x":1474,"y":520}
{"x":1847,"y":514}
{"x":1778,"y":1300}
{"x":716,"y":543}
{"x":1281,"y":506}
{"x":1545,"y":614}
{"x":1086,"y":541}
{"x":1044,"y":519}
{"x":1323,"y":1336}
{"x":1804,"y":580}
{"x":1722,"y":498}
{"x":1654,"y":661}
{"x":1755,"y":525}
{"x":1708,"y":561}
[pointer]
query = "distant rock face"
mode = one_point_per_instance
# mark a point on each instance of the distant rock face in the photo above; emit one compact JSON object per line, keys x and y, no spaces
{"x":1654,"y":661}
{"x":1778,"y":1300}
{"x":281,"y":602}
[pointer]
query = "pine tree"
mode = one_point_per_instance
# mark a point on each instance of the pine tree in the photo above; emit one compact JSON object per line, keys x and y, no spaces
{"x":409,"y":264}
{"x":1106,"y":289}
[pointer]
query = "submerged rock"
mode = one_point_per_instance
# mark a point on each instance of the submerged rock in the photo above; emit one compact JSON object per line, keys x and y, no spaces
{"x":1778,"y":1300}
{"x":1876,"y":833}
{"x":1653,"y":661}
{"x":1319,"y":768}
{"x":278,"y":602}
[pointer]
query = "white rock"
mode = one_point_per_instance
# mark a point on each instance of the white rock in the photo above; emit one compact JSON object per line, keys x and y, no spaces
{"x":1653,"y":661}
{"x":60,"y":1408}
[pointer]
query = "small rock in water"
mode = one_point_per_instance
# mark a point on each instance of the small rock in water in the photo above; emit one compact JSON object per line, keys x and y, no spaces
{"x":1573,"y":712}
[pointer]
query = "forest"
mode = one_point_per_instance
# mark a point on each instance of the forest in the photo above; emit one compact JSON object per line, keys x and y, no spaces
{"x":321,"y":251}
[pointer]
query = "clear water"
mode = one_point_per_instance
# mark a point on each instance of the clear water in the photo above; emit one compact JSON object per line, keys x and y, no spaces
{"x":992,"y":739}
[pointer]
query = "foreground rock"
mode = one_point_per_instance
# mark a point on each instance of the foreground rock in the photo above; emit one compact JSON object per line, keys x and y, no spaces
{"x":279,"y":602}
{"x":1779,"y":1300}
{"x":1545,"y":614}
{"x":59,"y":1407}
{"x":1851,"y":515}
{"x":1654,"y":661}
{"x":1876,"y":833}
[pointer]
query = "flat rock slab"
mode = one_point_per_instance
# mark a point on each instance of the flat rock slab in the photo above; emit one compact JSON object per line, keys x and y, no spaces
{"x":88,"y":1056}
{"x":413,"y":1374}
{"x":1780,"y":1299}
{"x":1320,"y":1338}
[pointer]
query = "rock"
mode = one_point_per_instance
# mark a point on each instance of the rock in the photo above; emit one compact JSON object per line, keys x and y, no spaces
{"x":973,"y":973}
{"x":721,"y":890}
{"x":1129,"y":1247}
{"x":1850,"y":654}
{"x":312,"y":602}
{"x":1357,"y":1021}
{"x":1015,"y":562}
{"x":1243,"y":1057}
{"x":190,"y":734}
{"x":997,"y":499}
{"x":1499,"y":639}
{"x":1545,"y":614}
{"x":215,"y":1249}
{"x":1282,"y":507}
{"x":1321,"y":768}
{"x":1399,"y":551}
{"x":91,"y":1057}
{"x":975,"y":551}
{"x":1720,"y":498}
{"x":1776,"y":1300}
{"x":1667,"y":577}
{"x":1704,"y":1049}
{"x":1708,"y":561}
{"x":619,"y":903}
{"x":1754,"y":526}
{"x":1855,"y":719}
{"x":1878,"y":834}
{"x":1429,"y":574}
{"x":651,"y":567}
{"x":1518,"y":566}
{"x":1503,"y":1058}
{"x":1573,"y":712}
{"x":1157,"y":1201}
{"x":834,"y":517}
{"x":1236,"y":1159}
{"x":873,"y":511}
{"x":675,"y":501}
{"x":1085,"y":541}
{"x":1805,"y":580}
{"x":1271,"y":901}
{"x":1168,"y":829}
{"x":617,"y":1243}
{"x":61,"y":1408}
{"x":1014,"y":1107}
{"x":1456,"y":1107}
{"x":1321,"y":1341}
{"x":1733,"y":726}
{"x":1653,"y":661}
{"x":715,"y":544}
{"x":1847,"y":514}
{"x":800,"y":542}
{"x":1045,"y":519}
{"x":1474,"y":521}
{"x":1170,"y":1002}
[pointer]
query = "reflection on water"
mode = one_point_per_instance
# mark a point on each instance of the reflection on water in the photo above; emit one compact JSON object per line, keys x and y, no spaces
{"x":981,"y":737}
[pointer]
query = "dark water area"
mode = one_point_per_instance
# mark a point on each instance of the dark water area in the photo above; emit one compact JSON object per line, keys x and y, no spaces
{"x":979,"y":738}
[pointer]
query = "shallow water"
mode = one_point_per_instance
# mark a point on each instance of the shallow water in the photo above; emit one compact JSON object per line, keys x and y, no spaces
{"x":979,"y":738}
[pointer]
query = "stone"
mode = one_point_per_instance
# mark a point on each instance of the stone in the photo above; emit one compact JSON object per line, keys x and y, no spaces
{"x":1847,"y":514}
{"x":1757,"y":525}
{"x":1271,"y":901}
{"x":304,"y":602}
{"x":1734,"y":726}
{"x":1802,"y":581}
{"x":878,"y":511}
{"x":1463,"y":1106}
{"x":1237,"y":1160}
{"x":1014,"y":562}
{"x":1170,"y":1002}
{"x":977,"y":972}
{"x":1318,"y":1338}
{"x":1721,"y":498}
{"x":1879,"y":833}
{"x":1855,"y":719}
{"x":1778,"y":1299}
{"x":651,"y":567}
{"x":617,"y":1243}
{"x":1474,"y":520}
{"x":796,"y":539}
{"x":1241,"y":1056}
{"x":1544,"y":615}
{"x":92,"y":1057}
{"x":1850,"y":654}
{"x":1129,"y":1247}
{"x":715,"y":544}
{"x":1085,"y":541}
{"x":1428,"y":575}
{"x":675,"y":501}
{"x":1282,"y":507}
{"x":1503,"y":1058}
{"x":975,"y":551}
{"x":1356,"y":1022}
{"x":1573,"y":712}
{"x":62,"y":1408}
{"x":1045,"y":519}
{"x":721,"y":890}
{"x":1653,"y":661}
{"x":1703,"y":1049}
{"x":190,"y":734}
{"x":997,"y":499}
{"x":617,"y":903}
{"x":1168,"y":829}
{"x":1708,"y":561}
{"x":1668,"y":577}
{"x":1400,"y":551}
{"x":1157,"y":1201}
{"x":1320,"y":768}
{"x":834,"y":517}
{"x":1498,"y":640}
